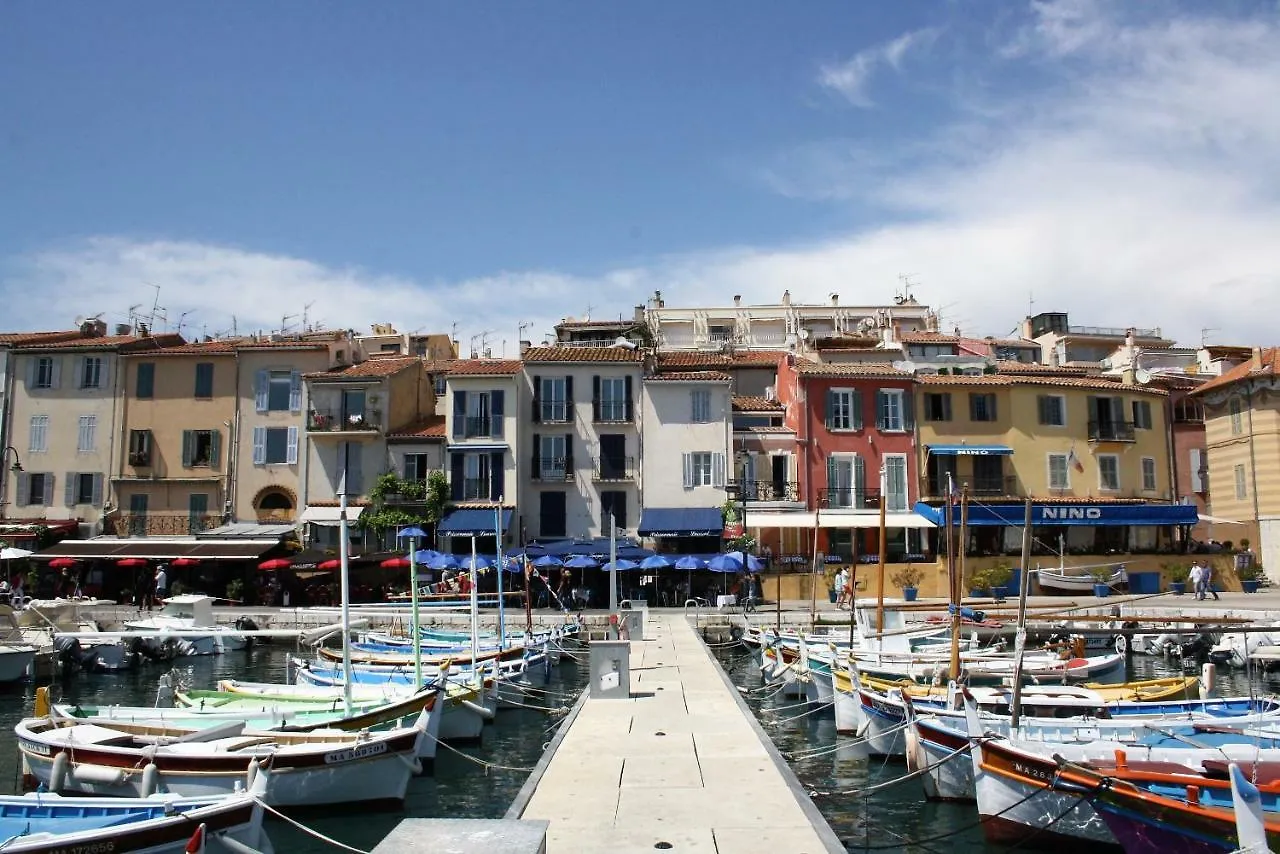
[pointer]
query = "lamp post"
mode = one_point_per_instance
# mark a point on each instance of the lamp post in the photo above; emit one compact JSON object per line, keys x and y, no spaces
{"x":16,"y":468}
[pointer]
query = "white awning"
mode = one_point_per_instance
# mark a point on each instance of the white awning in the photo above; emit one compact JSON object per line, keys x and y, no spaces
{"x":781,"y":519}
{"x":1216,"y":520}
{"x":831,"y":519}
{"x":328,"y":516}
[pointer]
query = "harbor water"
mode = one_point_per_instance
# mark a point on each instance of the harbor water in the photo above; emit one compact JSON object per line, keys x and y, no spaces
{"x":458,"y":787}
{"x":897,"y":818}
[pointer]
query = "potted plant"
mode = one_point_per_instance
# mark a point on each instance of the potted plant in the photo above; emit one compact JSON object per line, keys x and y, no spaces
{"x":829,"y":573}
{"x":1177,"y":574}
{"x":1101,"y":581}
{"x":992,"y":580}
{"x":1250,"y":577}
{"x":907,"y":579}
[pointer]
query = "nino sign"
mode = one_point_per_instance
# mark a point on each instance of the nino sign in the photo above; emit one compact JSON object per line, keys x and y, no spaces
{"x":1063,"y":514}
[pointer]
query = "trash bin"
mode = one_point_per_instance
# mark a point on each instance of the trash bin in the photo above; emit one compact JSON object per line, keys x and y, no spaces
{"x":631,"y":621}
{"x":610,"y":670}
{"x":1144,"y":582}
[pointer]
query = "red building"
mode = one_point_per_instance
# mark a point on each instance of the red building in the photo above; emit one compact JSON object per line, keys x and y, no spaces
{"x":855,"y":431}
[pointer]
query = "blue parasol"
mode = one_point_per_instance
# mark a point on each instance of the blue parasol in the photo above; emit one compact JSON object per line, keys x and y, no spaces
{"x":621,"y":564}
{"x":582,"y":562}
{"x":724,"y":563}
{"x":656,"y":562}
{"x":443,"y":561}
{"x":750,"y":562}
{"x":480,"y":562}
{"x":548,"y":561}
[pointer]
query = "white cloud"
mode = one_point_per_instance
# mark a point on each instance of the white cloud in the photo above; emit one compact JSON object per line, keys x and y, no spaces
{"x":852,"y":77}
{"x":1136,"y":186}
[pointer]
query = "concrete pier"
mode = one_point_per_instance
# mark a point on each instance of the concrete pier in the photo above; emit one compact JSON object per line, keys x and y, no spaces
{"x":682,"y":765}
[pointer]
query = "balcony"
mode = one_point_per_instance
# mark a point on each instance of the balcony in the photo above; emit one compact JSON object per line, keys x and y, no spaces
{"x":344,"y":420}
{"x":477,"y":427}
{"x":769,"y":490}
{"x":1111,"y":431}
{"x":553,"y":469}
{"x":611,"y":412}
{"x":994,"y":486}
{"x":476,"y":489}
{"x":1113,"y":331}
{"x":849,"y":499}
{"x":140,"y":459}
{"x":551,"y":411}
{"x":614,"y":468}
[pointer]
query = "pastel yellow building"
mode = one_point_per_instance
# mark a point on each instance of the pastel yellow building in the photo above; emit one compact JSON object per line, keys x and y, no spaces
{"x":1242,"y":438}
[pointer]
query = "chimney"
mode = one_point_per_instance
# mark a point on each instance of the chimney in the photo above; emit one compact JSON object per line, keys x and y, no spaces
{"x":1129,"y":338}
{"x":835,"y":299}
{"x":524,"y":346}
{"x":1256,"y":359}
{"x":737,"y":300}
{"x":1026,"y":329}
{"x":123,"y":329}
{"x":786,"y":297}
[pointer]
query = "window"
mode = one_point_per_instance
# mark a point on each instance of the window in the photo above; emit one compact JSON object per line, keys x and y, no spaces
{"x":478,"y":414}
{"x":197,"y":511}
{"x":476,"y":478}
{"x":553,"y":400}
{"x":204,"y":379}
{"x":895,"y":481}
{"x":45,"y":367}
{"x":937,"y":406}
{"x":1242,"y":491}
{"x":1188,"y":411}
{"x":279,"y":390}
{"x":138,"y":514}
{"x":982,"y":407}
{"x":145,"y":381}
{"x":1148,"y":474}
{"x":91,"y":372}
{"x":703,"y":468}
{"x":39,"y":489}
{"x":552,"y":454}
{"x":85,"y":488}
{"x":844,"y":409}
{"x":1142,"y":414}
{"x":441,"y":385}
{"x":700,"y":401}
{"x":1237,"y":421}
{"x":417,"y":467}
{"x":613,"y":502}
{"x":200,"y":448}
{"x":613,"y":399}
{"x":38,"y":434}
{"x":275,"y":446}
{"x":88,"y":434}
{"x":842,"y":481}
{"x":1109,"y":472}
{"x":889,"y":410}
{"x":1059,"y":473}
{"x":1198,"y":471}
{"x":139,"y":447}
{"x":1052,"y":409}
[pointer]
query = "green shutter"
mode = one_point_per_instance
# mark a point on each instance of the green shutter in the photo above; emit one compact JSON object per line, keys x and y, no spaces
{"x":188,"y":448}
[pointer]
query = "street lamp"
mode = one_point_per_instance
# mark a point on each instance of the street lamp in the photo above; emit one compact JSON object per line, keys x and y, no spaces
{"x":16,"y":468}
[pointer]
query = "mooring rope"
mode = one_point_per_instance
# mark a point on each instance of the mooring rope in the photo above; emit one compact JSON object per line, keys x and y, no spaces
{"x":307,"y":830}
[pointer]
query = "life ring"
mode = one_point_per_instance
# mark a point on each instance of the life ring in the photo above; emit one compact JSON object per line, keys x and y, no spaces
{"x":1122,"y":645}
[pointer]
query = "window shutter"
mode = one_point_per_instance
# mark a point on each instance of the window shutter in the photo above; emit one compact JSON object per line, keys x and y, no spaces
{"x":859,"y":480}
{"x":630,"y":405}
{"x":261,"y":381}
{"x":946,"y":406}
{"x":497,"y":406}
{"x":104,"y":373}
{"x":215,"y":448}
{"x":882,"y":407}
{"x":991,"y":399}
{"x":973,"y":406}
{"x":829,"y":413}
{"x":24,"y":489}
{"x":259,"y":446}
{"x":78,"y":365}
{"x":1042,"y":408}
{"x":568,"y":395}
{"x":295,"y":391}
{"x":686,"y":461}
{"x":188,"y":448}
{"x":291,"y":450}
{"x":97,"y":490}
{"x":693,"y":407}
{"x":595,"y":398}
{"x":145,"y":385}
{"x":1136,"y":407}
{"x":354,"y":453}
{"x":69,"y":489}
{"x":459,"y":414}
{"x":1197,"y":482}
{"x":537,"y":454}
{"x":833,"y":477}
{"x":717,"y":470}
{"x":57,"y":374}
{"x":537,"y":400}
{"x":32,"y":361}
{"x":1093,"y":409}
{"x":908,"y":411}
{"x":48,"y":488}
{"x":568,"y":456}
{"x":1117,"y":408}
{"x":497,"y":476}
{"x":855,"y":398}
{"x":456,"y":475}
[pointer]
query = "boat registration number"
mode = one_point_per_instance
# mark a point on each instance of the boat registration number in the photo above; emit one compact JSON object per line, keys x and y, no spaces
{"x":104,"y":847}
{"x":35,"y":747}
{"x":351,"y":754}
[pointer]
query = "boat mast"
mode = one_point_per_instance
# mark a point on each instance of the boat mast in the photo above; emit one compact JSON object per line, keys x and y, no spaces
{"x":884,"y":481}
{"x":414,"y":623}
{"x":475,"y":615}
{"x":613,"y":564}
{"x":502,"y":611}
{"x":344,"y":566}
{"x":953,"y":578}
{"x":1020,"y":638}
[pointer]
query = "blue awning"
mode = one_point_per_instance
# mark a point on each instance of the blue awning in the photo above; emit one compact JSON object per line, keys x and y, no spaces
{"x":681,"y":522}
{"x":1082,"y":513}
{"x":473,"y":520}
{"x":969,"y":450}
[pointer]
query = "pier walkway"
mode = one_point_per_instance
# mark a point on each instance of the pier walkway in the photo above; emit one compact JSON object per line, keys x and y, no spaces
{"x":682,"y":765}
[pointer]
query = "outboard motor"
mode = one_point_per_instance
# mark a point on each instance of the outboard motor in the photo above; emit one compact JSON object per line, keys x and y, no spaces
{"x":245,"y":624}
{"x":67,"y":651}
{"x":1198,"y":648}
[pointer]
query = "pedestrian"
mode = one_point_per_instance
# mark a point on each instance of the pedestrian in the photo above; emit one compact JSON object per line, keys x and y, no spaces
{"x":842,"y":584}
{"x":161,"y":584}
{"x":1196,"y":577}
{"x":1206,"y":576}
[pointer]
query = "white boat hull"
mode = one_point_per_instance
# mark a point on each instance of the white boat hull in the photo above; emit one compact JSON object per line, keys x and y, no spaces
{"x":15,"y":662}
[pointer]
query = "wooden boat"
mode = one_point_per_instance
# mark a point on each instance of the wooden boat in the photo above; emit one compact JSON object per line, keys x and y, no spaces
{"x":1138,"y":691}
{"x":309,"y":768}
{"x":45,"y":823}
{"x":1065,"y":582}
{"x":397,"y":658}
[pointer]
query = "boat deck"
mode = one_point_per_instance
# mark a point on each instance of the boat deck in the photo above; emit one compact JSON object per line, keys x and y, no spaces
{"x":682,"y":762}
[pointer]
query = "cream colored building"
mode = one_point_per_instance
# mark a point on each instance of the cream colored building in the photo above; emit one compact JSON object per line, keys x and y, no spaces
{"x":172,"y":469}
{"x":64,"y":422}
{"x":1242,"y":437}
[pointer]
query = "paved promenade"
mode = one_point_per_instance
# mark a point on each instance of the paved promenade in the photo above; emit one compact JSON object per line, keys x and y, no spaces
{"x":680,"y":766}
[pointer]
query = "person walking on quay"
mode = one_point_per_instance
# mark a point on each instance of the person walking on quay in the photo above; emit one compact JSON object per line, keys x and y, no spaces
{"x":161,"y":586}
{"x":1206,"y":579}
{"x":1196,"y":577}
{"x":842,"y":587}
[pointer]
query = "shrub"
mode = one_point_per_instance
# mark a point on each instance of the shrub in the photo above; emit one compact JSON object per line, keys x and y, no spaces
{"x":991,"y":577}
{"x":1178,"y":573}
{"x":908,"y":576}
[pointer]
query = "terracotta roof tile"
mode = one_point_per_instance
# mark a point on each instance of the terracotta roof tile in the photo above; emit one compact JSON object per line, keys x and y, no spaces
{"x":692,"y":376}
{"x":1267,"y":365}
{"x":195,"y":348}
{"x":281,"y":345}
{"x":1097,"y":383}
{"x":583,"y":354}
{"x":18,"y":338}
{"x":431,"y":427}
{"x":763,"y":429}
{"x":755,"y":403}
{"x":849,"y":369}
{"x":108,"y":342}
{"x":485,"y":367}
{"x":1007,"y":366}
{"x":586,"y":324}
{"x":435,"y":366}
{"x":371,"y":369}
{"x":928,"y":338}
{"x":963,"y":379}
{"x":697,"y":360}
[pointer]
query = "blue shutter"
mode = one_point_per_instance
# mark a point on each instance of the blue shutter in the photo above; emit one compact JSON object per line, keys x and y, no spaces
{"x":568,"y":396}
{"x":630,"y":404}
{"x":57,"y":374}
{"x":456,"y":473}
{"x":48,"y":489}
{"x":459,"y":414}
{"x":856,"y":397}
{"x":104,"y":373}
{"x":537,"y":456}
{"x":32,"y":362}
{"x":829,"y":413}
{"x":259,"y":446}
{"x":78,"y":366}
{"x":497,"y":476}
{"x":859,"y":480}
{"x":188,"y":448}
{"x":291,"y":450}
{"x":24,"y":489}
{"x":687,"y":462}
{"x":295,"y":391}
{"x":882,"y":408}
{"x":497,"y":406}
{"x":215,"y":448}
{"x":909,"y":410}
{"x":355,"y":467}
{"x":261,"y":383}
{"x":595,"y":398}
{"x":537,"y":399}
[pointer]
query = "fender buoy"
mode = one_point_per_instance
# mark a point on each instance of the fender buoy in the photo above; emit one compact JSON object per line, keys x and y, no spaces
{"x":1122,"y":644}
{"x":150,"y":780}
{"x":58,"y":774}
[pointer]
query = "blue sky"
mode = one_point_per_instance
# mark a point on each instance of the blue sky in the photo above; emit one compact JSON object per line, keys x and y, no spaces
{"x":488,"y":164}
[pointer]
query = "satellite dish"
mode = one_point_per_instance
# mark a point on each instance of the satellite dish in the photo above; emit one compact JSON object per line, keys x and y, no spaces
{"x":79,"y":321}
{"x":804,"y":334}
{"x":1142,"y":375}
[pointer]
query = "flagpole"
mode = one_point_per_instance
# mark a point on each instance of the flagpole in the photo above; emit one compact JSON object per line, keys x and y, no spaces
{"x":502,"y":610}
{"x":344,"y":575}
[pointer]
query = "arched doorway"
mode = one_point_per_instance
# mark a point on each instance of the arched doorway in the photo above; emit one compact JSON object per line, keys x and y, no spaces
{"x":275,"y":504}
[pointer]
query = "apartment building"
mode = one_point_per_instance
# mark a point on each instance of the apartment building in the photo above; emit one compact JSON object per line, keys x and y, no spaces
{"x":64,"y":419}
{"x":581,"y":429}
{"x":1062,"y":344}
{"x":1242,"y":437}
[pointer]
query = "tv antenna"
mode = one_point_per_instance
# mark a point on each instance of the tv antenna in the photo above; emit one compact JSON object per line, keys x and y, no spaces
{"x":306,"y":312}
{"x":1204,"y":336}
{"x":182,"y":318}
{"x":520,"y":330}
{"x":903,"y":293}
{"x":157,"y":310}
{"x":284,"y":322}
